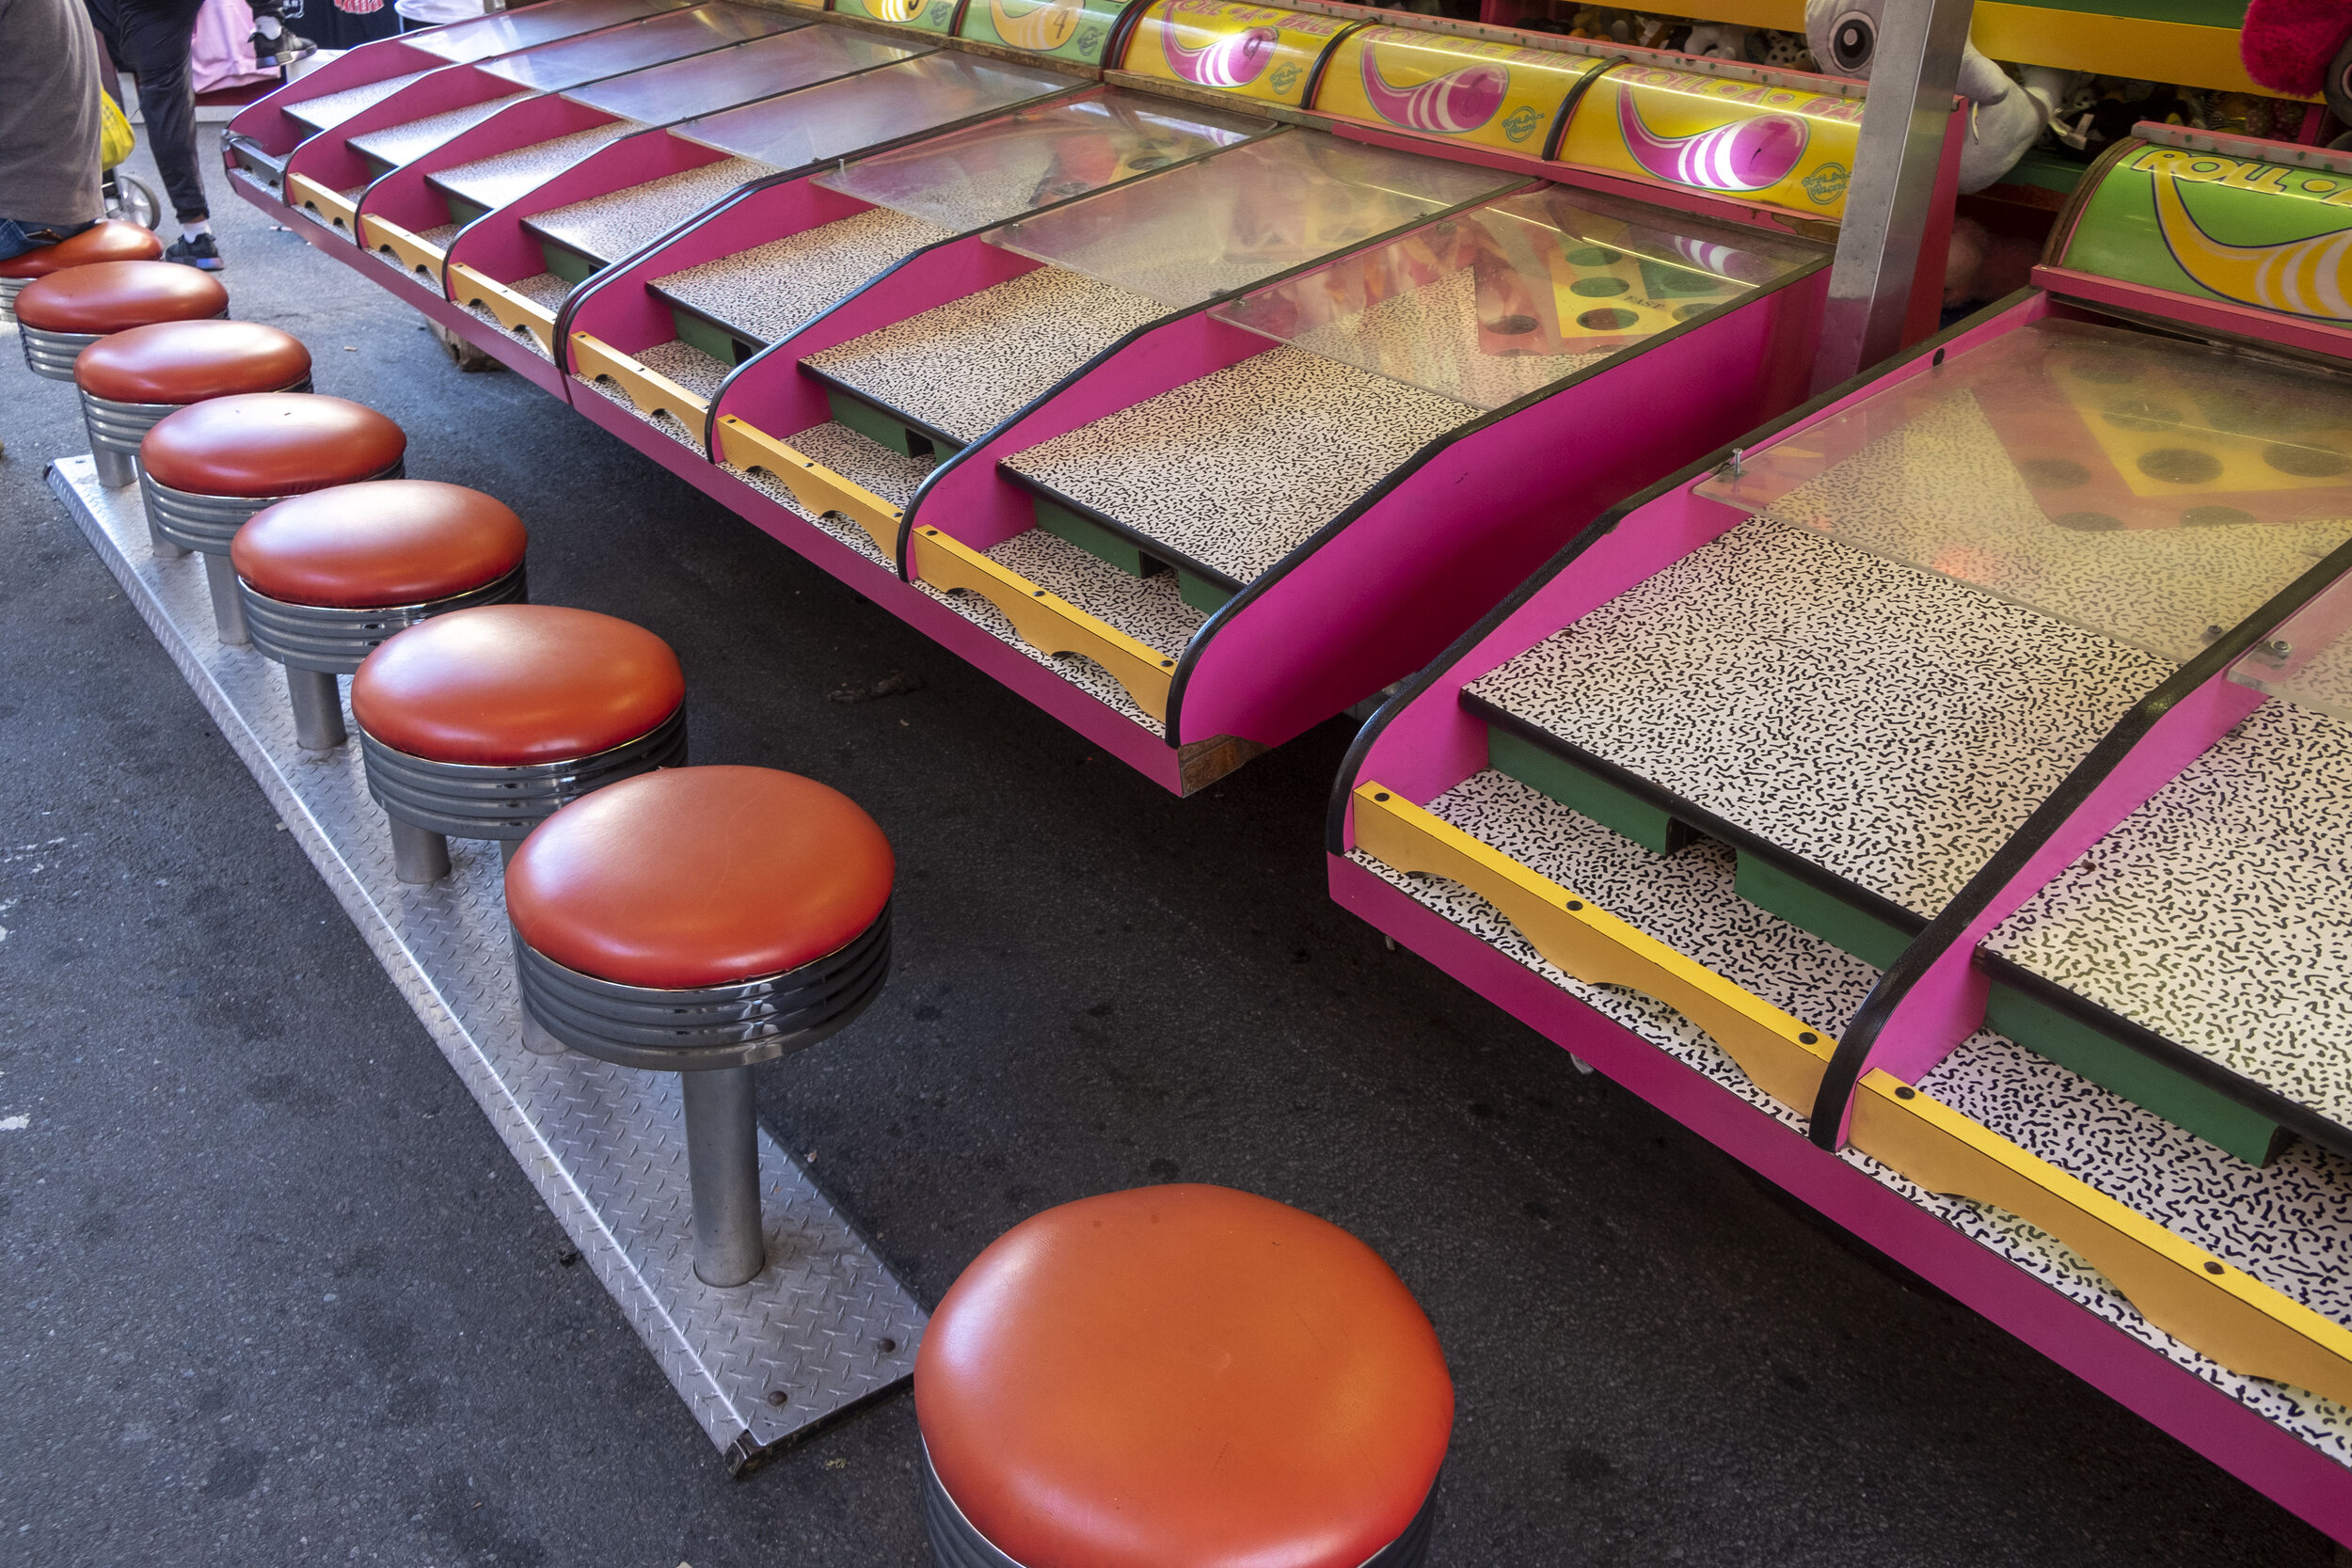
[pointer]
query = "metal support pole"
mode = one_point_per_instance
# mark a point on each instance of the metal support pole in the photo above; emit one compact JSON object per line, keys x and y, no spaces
{"x":318,"y":709}
{"x":420,"y":855}
{"x":228,"y":609}
{"x":117,"y":470}
{"x":722,"y":1164}
{"x":1912,"y":74}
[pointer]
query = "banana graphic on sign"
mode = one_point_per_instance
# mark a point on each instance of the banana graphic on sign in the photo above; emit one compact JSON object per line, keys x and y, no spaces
{"x":1041,"y":27}
{"x":2303,"y":277}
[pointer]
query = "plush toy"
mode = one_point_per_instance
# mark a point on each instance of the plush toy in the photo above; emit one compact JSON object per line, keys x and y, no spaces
{"x":2005,"y":118}
{"x":2299,"y":47}
{"x":1716,"y":41}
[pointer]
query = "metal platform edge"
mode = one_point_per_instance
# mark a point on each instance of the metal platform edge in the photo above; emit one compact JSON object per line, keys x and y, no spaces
{"x":751,"y":1381}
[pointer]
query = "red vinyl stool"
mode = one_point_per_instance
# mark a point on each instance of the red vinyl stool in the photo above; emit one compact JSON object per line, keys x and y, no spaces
{"x":131,"y":379}
{"x":700,"y":921}
{"x":205,"y":468}
{"x":481,"y":723}
{"x":60,"y":315}
{"x":1180,"y":1375}
{"x":325,"y":577}
{"x":110,"y":241}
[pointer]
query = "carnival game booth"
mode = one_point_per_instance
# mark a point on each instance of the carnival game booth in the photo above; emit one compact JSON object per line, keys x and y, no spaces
{"x":1939,"y":799}
{"x":1197,"y":410}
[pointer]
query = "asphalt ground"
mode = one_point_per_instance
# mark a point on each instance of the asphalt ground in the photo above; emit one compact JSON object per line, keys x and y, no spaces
{"x":274,"y":1293}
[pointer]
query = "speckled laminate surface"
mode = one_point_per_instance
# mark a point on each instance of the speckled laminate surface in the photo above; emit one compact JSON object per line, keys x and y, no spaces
{"x":609,"y":226}
{"x":414,"y":138}
{"x":328,"y":110}
{"x":965,"y":366}
{"x":1148,"y":608}
{"x":2220,"y":915}
{"x":1235,"y":470}
{"x":495,"y":180}
{"x":773,"y":289}
{"x":1888,"y":725}
{"x":689,"y":439}
{"x":2102,"y":1138}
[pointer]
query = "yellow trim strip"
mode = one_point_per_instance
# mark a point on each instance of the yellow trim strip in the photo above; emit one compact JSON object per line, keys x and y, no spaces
{"x":415,"y":254}
{"x":2181,"y":1287}
{"x":650,"y":390}
{"x":1781,"y":1054}
{"x":1046,"y":622}
{"x":333,"y":206}
{"x":817,"y":488}
{"x":2125,"y":46}
{"x":2184,"y":1290}
{"x":509,"y":308}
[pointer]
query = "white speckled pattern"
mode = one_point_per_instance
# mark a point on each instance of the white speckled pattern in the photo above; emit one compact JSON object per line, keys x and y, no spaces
{"x":611,"y":226}
{"x":328,"y":110}
{"x":1148,"y":608}
{"x":892,"y":475}
{"x":1892,"y":726}
{"x":495,"y":180}
{"x":967,"y":365}
{"x":1234,"y":472}
{"x":1502,"y":812}
{"x":773,"y":288}
{"x":2220,"y":915}
{"x":685,"y":364}
{"x":514,"y":335}
{"x":690,"y":439}
{"x":414,"y":138}
{"x":1080,"y":671}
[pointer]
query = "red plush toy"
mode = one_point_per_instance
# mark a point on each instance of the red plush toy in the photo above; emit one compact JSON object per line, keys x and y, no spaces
{"x":2301,"y":47}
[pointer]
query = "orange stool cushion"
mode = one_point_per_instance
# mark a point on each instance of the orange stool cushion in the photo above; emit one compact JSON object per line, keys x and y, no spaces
{"x":269,"y":444}
{"x":387,"y":542}
{"x":188,"y":361}
{"x":108,"y":296}
{"x":1183,"y":1374}
{"x":508,"y":683}
{"x":699,"y":876}
{"x":112,"y":240}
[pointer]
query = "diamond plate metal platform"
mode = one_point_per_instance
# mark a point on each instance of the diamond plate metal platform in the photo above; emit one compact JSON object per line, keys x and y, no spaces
{"x":824,"y":1328}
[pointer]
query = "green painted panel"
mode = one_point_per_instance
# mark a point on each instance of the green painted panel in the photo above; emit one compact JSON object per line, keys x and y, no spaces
{"x":2145,"y":1081}
{"x":875,"y":425}
{"x":462,"y":210}
{"x":694,"y":332}
{"x":567,"y":263}
{"x":1826,"y":915}
{"x":1199,"y":592}
{"x":1582,"y":790}
{"x":1087,"y":535}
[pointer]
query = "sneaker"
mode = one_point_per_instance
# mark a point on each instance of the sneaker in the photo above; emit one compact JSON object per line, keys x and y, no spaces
{"x":199,"y":252}
{"x":287,"y":47}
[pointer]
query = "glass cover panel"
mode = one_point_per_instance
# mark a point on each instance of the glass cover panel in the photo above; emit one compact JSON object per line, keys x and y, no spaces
{"x":1487,"y":306}
{"x":840,"y":118}
{"x":556,"y":66}
{"x":465,"y":42}
{"x":970,"y":179}
{"x":2308,"y":660}
{"x":1263,"y":208}
{"x":2147,"y":488}
{"x":761,"y":68}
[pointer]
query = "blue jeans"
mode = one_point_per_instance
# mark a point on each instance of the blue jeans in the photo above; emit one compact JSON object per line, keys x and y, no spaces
{"x":17,"y":238}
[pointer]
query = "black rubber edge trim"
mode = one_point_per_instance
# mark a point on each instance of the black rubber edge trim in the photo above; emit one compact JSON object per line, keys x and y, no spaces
{"x":1323,"y":65}
{"x":1559,"y":132}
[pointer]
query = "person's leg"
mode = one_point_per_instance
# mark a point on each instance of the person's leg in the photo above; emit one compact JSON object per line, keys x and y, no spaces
{"x":155,"y":45}
{"x":17,"y":238}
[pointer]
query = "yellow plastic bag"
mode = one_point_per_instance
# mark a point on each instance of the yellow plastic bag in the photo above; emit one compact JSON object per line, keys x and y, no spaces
{"x":115,"y":139}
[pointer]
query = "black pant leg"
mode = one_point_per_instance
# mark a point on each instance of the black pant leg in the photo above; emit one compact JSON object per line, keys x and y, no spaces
{"x":152,"y":40}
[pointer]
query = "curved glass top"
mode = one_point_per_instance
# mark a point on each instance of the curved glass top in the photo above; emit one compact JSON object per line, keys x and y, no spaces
{"x":2155,"y":490}
{"x":836,"y":118}
{"x":462,"y":42}
{"x":1495,"y":303}
{"x":1209,"y":227}
{"x":553,"y":67}
{"x":761,"y":68}
{"x":1044,"y":154}
{"x":2308,"y":660}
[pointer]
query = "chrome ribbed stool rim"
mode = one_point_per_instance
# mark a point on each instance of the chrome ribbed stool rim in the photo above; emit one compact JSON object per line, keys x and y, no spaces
{"x":334,"y":640}
{"x":476,"y":801}
{"x":121,"y":426}
{"x":207,"y":523}
{"x":956,"y":1543}
{"x":706,"y":1027}
{"x":52,"y":354}
{"x":9,"y":289}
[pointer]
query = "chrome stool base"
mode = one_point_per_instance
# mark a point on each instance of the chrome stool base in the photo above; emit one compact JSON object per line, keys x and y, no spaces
{"x":712,"y":1036}
{"x":188,"y":520}
{"x":52,"y":354}
{"x":116,"y":430}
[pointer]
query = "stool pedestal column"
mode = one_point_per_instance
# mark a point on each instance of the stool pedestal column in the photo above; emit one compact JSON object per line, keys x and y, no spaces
{"x":318,"y":708}
{"x":228,"y":609}
{"x":117,"y":470}
{"x":722,"y":1163}
{"x":420,"y":855}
